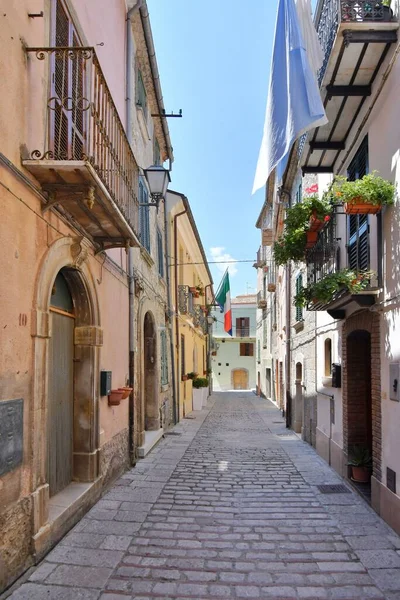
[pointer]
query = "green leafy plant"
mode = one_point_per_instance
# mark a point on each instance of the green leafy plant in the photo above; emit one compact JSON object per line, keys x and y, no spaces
{"x":370,"y":189}
{"x":386,"y":2}
{"x":191,"y":375}
{"x":200,"y":382}
{"x":360,"y":456}
{"x":324,"y":289}
{"x":292,"y":244}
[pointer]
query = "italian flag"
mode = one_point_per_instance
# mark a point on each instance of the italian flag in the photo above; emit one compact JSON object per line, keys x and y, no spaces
{"x":223,"y":298}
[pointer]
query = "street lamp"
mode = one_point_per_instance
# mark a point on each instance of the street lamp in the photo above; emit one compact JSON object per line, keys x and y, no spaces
{"x":158,"y":179}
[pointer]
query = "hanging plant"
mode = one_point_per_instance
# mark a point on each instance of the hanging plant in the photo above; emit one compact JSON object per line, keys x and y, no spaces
{"x":325,"y":289}
{"x":302,"y":218}
{"x":200,"y":290}
{"x":364,"y":196}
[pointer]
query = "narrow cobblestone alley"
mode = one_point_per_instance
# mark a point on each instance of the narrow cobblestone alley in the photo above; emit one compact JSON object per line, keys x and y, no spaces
{"x":226,"y":506}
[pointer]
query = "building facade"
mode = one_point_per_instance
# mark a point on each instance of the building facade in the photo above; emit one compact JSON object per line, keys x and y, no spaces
{"x":341,"y":357}
{"x":85,"y":308}
{"x":234,"y":357}
{"x":192,"y":293}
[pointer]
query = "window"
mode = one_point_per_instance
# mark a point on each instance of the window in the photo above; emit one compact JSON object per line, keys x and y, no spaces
{"x":246,"y":349}
{"x":157,"y":155}
{"x":328,"y":357}
{"x":141,"y":96}
{"x":164,"y":357}
{"x":160,"y":254}
{"x":144,"y":216}
{"x":242,"y":326}
{"x":67,"y":131}
{"x":299,"y":309}
{"x":358,"y":225}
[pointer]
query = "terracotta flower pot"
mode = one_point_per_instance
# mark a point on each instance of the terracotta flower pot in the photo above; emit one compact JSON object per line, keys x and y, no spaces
{"x":361,"y":474}
{"x":126,"y":391}
{"x":184,"y":377}
{"x":115,"y":397}
{"x":271,"y":287}
{"x":312,"y":237}
{"x":359,"y":207}
{"x":318,"y":224}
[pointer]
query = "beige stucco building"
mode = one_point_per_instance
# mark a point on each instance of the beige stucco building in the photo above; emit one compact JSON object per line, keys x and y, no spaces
{"x":84,"y":264}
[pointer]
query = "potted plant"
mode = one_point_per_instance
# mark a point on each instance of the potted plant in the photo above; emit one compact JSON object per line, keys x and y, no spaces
{"x":387,"y":11}
{"x":302,"y":223}
{"x":271,"y":287}
{"x":360,"y":463}
{"x":325,"y":289}
{"x":115,"y":397}
{"x":193,"y":290}
{"x":191,"y":375}
{"x":200,"y":290}
{"x":198,"y":385}
{"x":364,"y":196}
{"x":184,"y":377}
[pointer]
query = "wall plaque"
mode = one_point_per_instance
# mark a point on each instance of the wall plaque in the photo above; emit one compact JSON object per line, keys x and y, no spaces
{"x":11,"y":434}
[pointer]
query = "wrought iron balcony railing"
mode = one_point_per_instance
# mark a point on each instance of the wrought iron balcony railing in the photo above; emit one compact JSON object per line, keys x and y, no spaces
{"x":200,"y":319}
{"x":242,"y":332}
{"x":331,"y":13}
{"x":324,"y":257}
{"x":185,"y":300}
{"x":82,"y":124}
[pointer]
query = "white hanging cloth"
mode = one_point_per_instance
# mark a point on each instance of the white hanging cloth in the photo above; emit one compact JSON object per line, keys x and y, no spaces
{"x":310,"y":36}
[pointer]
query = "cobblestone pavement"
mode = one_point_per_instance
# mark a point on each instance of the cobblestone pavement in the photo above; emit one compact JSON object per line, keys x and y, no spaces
{"x":226,"y":508}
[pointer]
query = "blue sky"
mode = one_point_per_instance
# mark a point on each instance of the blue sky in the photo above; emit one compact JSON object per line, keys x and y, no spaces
{"x":214,"y":63}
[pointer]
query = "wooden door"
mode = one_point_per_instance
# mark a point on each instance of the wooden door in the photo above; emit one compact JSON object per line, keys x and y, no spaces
{"x":60,"y":409}
{"x":240,"y":379}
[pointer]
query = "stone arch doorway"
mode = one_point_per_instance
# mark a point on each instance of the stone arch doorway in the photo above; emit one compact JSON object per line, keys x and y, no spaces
{"x":68,"y":256}
{"x":359,"y":390}
{"x":240,"y":379}
{"x":151,"y":410}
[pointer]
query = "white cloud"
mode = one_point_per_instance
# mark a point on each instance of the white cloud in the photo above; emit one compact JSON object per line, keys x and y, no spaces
{"x":219,"y":254}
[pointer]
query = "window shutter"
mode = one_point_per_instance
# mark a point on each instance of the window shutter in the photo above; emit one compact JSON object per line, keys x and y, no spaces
{"x":299,"y":309}
{"x":160,"y":254}
{"x":144,"y":221}
{"x":358,"y":227}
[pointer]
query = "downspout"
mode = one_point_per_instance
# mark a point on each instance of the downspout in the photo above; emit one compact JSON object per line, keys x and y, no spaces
{"x":289,"y":403}
{"x":131,"y":271}
{"x":176,"y":306}
{"x":208,"y":341}
{"x":170,"y":313}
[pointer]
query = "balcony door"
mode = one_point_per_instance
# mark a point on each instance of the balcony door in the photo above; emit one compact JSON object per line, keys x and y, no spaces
{"x":67,"y":104}
{"x":242,"y":326}
{"x":358,"y":225}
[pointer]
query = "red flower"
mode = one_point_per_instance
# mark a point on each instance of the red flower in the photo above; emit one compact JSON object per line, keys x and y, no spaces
{"x":327,"y":218}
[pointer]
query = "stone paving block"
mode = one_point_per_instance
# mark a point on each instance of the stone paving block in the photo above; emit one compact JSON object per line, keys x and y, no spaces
{"x":70,"y":575}
{"x":386,"y":579}
{"x":31,"y":591}
{"x":379,"y":559}
{"x":85,"y":557}
{"x":83,"y":540}
{"x":42,"y":571}
{"x":116,"y":542}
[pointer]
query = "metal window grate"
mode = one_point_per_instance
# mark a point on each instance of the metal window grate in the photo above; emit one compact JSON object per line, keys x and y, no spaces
{"x":333,"y":489}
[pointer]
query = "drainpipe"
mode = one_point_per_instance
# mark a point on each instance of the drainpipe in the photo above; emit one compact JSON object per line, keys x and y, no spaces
{"x":170,"y":312}
{"x":184,"y":211}
{"x":289,"y":404}
{"x":131,"y":271}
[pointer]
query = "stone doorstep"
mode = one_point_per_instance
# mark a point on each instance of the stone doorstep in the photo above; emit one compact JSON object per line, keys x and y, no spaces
{"x":65,"y":509}
{"x":151,"y":438}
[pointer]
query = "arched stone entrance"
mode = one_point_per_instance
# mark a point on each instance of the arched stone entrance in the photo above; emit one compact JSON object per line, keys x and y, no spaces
{"x":151,"y":408}
{"x":67,"y":256}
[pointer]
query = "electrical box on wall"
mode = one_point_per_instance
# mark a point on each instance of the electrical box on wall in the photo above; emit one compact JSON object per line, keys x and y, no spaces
{"x":105,"y":383}
{"x":336,"y":375}
{"x":394,"y":384}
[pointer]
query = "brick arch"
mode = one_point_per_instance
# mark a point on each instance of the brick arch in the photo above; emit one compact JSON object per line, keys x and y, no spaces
{"x":369,"y":323}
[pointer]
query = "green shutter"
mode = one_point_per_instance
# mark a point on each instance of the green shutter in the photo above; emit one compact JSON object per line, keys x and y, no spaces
{"x":160,"y":254}
{"x":144,"y":216}
{"x":299,"y":309}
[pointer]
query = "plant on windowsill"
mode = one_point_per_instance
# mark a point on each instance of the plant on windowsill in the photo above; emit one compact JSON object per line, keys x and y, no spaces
{"x":192,"y":375}
{"x":360,"y":462}
{"x":325,"y":289}
{"x":302,"y":223}
{"x":364,"y":196}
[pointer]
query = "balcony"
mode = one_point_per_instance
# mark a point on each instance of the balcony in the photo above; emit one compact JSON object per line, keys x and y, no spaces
{"x":78,"y":150}
{"x":356,"y":36}
{"x":325,"y":258}
{"x":200,"y":319}
{"x":261,"y":259}
{"x":261,"y":299}
{"x":185,"y":301}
